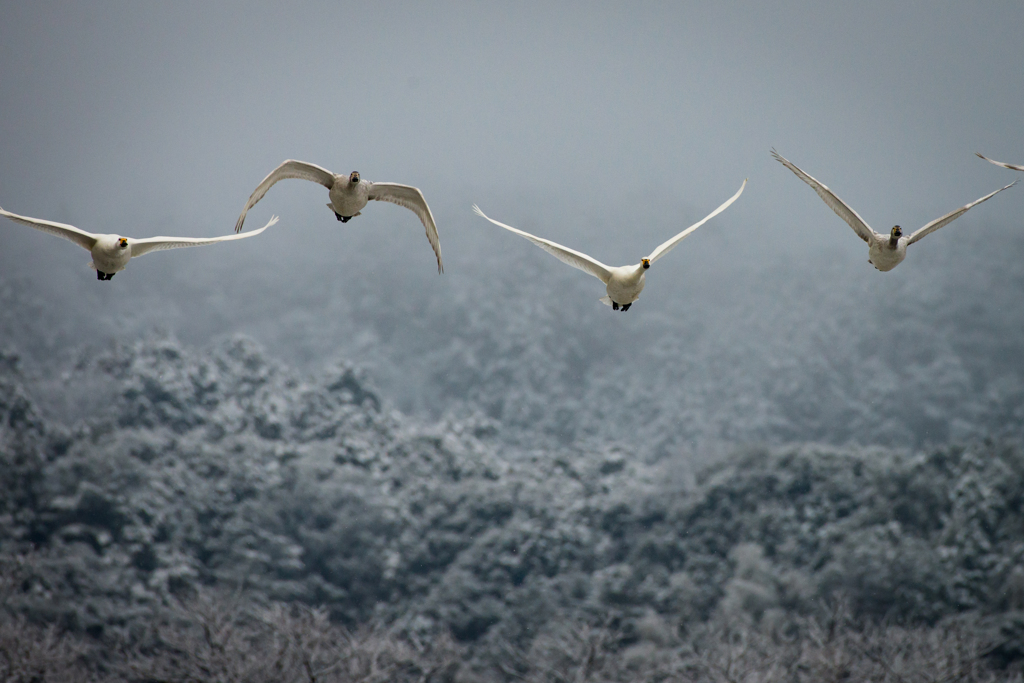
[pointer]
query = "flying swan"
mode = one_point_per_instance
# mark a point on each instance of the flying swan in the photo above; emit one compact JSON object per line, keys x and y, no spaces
{"x":884,"y":253}
{"x":349,"y":195}
{"x":110,"y":253}
{"x":623,"y":283}
{"x":1012,"y":167}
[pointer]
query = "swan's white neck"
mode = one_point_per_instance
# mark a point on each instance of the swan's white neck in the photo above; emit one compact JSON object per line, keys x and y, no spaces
{"x":633,"y":275}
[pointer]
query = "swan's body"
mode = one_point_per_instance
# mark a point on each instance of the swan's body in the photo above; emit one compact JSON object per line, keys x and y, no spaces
{"x":622,"y":283}
{"x":625,"y":284}
{"x":885,"y":252}
{"x":111,"y":253}
{"x":1012,"y":167}
{"x":349,"y":195}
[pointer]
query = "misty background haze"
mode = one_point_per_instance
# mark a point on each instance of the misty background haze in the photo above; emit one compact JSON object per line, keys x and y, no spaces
{"x":605,"y":127}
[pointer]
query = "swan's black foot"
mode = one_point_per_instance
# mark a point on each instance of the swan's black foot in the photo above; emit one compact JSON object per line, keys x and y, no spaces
{"x":110,"y":276}
{"x":615,"y":306}
{"x":343,"y":219}
{"x":626,"y":307}
{"x":100,"y":275}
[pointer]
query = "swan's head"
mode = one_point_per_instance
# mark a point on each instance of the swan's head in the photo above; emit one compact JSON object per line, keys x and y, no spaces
{"x":646,"y":263}
{"x":896,"y":232}
{"x":353,"y":177}
{"x":122,"y":242}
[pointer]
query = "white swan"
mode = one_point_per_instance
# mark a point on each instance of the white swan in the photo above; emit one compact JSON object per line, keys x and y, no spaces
{"x":110,"y":253}
{"x":1012,"y":167}
{"x":884,"y":252}
{"x":623,"y":283}
{"x":349,"y":195}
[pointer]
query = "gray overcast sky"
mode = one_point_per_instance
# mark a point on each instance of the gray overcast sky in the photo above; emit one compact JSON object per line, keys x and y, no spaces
{"x":603,"y":125}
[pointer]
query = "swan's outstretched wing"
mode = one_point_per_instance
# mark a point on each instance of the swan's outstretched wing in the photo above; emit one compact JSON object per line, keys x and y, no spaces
{"x":563,"y":254}
{"x":952,"y":216}
{"x":666,"y":246}
{"x":144,"y":246}
{"x":1012,"y":167}
{"x":411,"y":198}
{"x":82,"y":238}
{"x":841,"y":208}
{"x":288,"y":169}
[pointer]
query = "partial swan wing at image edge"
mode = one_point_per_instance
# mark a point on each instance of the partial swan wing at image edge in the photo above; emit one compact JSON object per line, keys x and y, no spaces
{"x":84,"y":239}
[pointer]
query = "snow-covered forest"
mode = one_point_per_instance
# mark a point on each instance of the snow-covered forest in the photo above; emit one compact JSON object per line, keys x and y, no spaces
{"x":513,"y":525}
